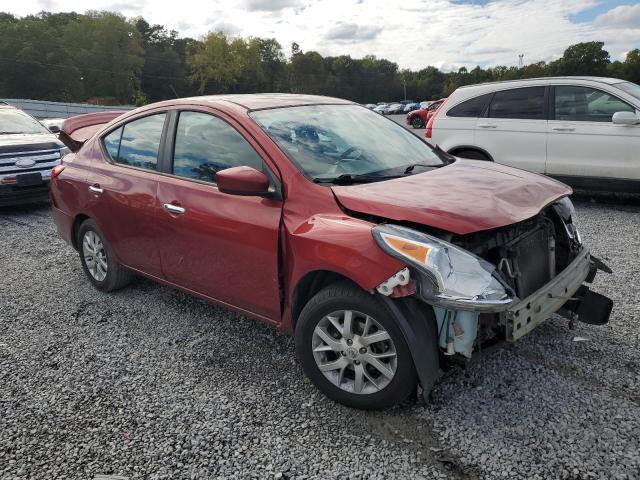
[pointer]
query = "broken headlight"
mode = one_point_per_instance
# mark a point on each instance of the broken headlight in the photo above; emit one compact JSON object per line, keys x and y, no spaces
{"x":567,"y":212}
{"x":449,"y":276}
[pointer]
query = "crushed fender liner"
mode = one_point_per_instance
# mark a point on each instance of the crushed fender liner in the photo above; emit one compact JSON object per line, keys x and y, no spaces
{"x":418,"y":325}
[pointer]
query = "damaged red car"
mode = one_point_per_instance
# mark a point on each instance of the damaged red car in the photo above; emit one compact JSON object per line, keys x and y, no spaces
{"x":386,"y":258}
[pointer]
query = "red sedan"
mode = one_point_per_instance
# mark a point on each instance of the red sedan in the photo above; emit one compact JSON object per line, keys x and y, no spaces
{"x":385,"y":257}
{"x":419,"y":118}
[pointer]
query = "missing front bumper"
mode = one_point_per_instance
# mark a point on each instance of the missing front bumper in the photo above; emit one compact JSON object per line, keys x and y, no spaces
{"x":567,"y":287}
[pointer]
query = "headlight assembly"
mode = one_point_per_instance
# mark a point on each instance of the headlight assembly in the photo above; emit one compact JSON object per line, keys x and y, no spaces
{"x":449,"y":276}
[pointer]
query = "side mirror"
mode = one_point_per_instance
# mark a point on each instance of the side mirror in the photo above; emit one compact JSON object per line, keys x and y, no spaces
{"x":625,"y":118}
{"x":54,"y":129}
{"x":246,"y":181}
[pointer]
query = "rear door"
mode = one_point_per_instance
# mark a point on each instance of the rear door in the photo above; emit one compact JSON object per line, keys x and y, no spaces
{"x":513,"y":129}
{"x":584,"y":147}
{"x":122,"y":187}
{"x":219,"y":245}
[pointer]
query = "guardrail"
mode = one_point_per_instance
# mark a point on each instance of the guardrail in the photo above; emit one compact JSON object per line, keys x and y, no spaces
{"x":42,"y":109}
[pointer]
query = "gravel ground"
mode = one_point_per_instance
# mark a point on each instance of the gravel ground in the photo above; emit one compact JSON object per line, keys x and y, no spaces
{"x":151,"y":383}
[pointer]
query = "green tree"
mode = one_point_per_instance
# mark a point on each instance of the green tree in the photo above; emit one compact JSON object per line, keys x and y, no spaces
{"x":587,"y":58}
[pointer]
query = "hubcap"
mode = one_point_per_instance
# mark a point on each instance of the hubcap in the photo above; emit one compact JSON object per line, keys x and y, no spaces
{"x":354,"y":352}
{"x":95,"y":256}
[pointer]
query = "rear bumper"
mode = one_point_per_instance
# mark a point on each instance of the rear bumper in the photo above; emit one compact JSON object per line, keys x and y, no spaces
{"x":14,"y":195}
{"x":64,"y":224}
{"x":567,"y":287}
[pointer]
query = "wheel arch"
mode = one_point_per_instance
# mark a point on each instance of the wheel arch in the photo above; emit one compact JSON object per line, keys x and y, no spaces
{"x":77,"y":221}
{"x":460,"y":148}
{"x":309,"y":285}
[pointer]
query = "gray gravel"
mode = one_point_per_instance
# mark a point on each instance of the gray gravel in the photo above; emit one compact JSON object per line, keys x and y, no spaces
{"x":151,"y":383}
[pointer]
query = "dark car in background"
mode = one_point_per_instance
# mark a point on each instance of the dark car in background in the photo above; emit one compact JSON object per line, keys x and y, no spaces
{"x":28,"y":152}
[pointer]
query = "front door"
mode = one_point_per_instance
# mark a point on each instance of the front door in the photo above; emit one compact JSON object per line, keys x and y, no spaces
{"x":585,"y":148}
{"x":219,"y":245}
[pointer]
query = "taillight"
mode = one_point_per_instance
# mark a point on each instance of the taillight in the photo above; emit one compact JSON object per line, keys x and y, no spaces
{"x":57,"y":170}
{"x":429,"y":130}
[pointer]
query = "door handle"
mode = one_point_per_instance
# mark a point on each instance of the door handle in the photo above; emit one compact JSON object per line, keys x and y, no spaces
{"x":95,"y":189}
{"x":563,"y":129}
{"x":487,"y":125}
{"x":171,"y":208}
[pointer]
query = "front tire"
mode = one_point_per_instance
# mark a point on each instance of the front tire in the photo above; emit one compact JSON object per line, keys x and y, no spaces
{"x":98,"y":261}
{"x":416,"y":122}
{"x":351,"y":348}
{"x":472,"y":155}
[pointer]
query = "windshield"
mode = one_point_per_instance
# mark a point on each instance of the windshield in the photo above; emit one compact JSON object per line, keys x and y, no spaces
{"x":630,"y":88}
{"x":15,"y":121}
{"x":327,"y":141}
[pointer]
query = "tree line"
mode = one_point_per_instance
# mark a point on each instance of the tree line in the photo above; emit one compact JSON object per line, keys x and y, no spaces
{"x":102,"y":57}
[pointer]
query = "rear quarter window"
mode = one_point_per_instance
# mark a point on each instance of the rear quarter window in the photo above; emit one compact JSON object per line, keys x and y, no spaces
{"x":470,"y":108}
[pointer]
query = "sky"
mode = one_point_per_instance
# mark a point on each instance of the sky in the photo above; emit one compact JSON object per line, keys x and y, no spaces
{"x":447,"y":34}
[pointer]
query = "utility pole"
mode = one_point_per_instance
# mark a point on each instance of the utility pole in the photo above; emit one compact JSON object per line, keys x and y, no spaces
{"x":404,"y":83}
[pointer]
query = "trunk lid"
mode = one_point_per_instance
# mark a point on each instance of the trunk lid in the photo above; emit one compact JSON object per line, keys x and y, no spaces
{"x":464,"y":197}
{"x":77,"y":130}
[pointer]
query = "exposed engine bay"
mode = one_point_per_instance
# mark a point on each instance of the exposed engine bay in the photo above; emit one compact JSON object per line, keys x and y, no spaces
{"x":528,"y":271}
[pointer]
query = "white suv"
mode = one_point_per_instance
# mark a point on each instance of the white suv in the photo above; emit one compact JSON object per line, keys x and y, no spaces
{"x":584,"y":131}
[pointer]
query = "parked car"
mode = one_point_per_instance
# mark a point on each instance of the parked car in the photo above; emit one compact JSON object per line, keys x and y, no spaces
{"x":584,"y":131}
{"x":28,"y":152}
{"x":381,"y":108}
{"x":371,"y":106}
{"x":394,"y":109}
{"x":410,"y":107}
{"x":419,"y":118}
{"x":382,"y":255}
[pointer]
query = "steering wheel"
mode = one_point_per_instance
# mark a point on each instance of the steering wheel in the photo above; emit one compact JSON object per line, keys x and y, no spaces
{"x":344,"y":157}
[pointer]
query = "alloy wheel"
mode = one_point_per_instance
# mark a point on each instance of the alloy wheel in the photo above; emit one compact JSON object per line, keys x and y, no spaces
{"x":94,"y":255}
{"x":354,"y":352}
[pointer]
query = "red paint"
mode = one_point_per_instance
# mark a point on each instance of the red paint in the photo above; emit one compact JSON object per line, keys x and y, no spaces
{"x":250,"y":252}
{"x":242,"y":181}
{"x":429,"y":130}
{"x":464,"y":197}
{"x":424,"y":113}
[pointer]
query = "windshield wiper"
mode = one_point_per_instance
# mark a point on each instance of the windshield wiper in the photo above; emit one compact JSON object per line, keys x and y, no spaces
{"x":410,"y":168}
{"x":349,"y":178}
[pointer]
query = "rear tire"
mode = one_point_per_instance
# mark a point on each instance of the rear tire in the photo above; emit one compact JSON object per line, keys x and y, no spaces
{"x":366,"y":365}
{"x":98,"y":261}
{"x":472,"y":155}
{"x":417,"y":122}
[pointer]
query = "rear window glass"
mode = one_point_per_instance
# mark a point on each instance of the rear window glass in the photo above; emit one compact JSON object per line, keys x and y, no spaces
{"x":520,"y":103}
{"x":137,"y":143}
{"x":471,"y":108}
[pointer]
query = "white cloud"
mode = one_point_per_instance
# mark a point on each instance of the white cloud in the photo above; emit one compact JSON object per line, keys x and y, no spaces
{"x":624,"y":16}
{"x":413,"y":33}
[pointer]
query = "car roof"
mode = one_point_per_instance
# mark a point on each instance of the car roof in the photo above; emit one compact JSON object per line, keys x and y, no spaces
{"x":259,"y":101}
{"x":606,"y":80}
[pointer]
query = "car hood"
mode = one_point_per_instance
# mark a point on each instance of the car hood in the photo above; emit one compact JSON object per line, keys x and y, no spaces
{"x":464,"y":197}
{"x":28,"y":142}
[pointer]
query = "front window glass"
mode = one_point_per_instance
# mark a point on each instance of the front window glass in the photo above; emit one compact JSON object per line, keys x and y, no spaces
{"x":15,"y":121}
{"x":333,"y":140}
{"x":206,"y":144}
{"x":629,"y":87}
{"x":584,"y":104}
{"x":519,"y":103}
